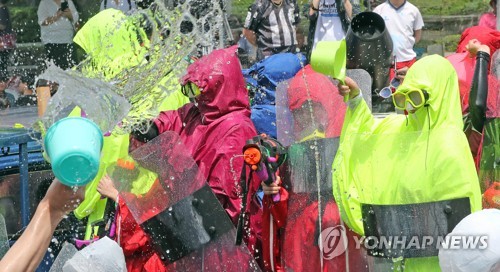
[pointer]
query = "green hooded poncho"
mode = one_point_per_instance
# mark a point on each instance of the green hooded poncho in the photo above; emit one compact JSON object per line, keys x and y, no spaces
{"x":423,"y":157}
{"x":113,"y":44}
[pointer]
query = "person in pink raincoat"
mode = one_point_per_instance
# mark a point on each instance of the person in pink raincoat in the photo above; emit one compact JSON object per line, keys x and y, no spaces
{"x":214,"y":128}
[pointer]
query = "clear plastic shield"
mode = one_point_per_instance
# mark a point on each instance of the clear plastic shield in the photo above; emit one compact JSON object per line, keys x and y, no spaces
{"x":186,"y":223}
{"x":489,"y":170}
{"x":364,"y":80}
{"x":67,"y":252}
{"x":310,"y":114}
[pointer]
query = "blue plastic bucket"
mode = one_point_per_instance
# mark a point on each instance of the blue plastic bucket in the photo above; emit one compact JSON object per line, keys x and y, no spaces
{"x":74,"y":145}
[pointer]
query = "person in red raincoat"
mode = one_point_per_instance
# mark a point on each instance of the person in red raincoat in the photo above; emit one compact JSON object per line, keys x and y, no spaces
{"x":214,"y":128}
{"x":288,"y":224}
{"x":472,"y":63}
{"x":464,"y":62}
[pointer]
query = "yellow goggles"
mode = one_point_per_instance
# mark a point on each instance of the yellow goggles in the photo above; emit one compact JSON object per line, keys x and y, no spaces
{"x":190,"y":90}
{"x":416,"y":98}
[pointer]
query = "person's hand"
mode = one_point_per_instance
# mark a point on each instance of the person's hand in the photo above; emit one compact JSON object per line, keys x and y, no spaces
{"x":107,"y":188}
{"x":475,"y":46}
{"x":62,"y":199}
{"x":402,"y":73}
{"x":350,"y":88}
{"x":59,"y":14}
{"x":272,"y":188}
{"x":67,"y":13}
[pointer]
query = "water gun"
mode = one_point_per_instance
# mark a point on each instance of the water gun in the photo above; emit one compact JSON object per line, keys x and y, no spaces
{"x":264,"y":155}
{"x":124,"y":173}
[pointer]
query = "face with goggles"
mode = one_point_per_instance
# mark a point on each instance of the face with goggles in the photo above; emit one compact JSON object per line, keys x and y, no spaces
{"x":411,"y":100}
{"x":305,"y":127}
{"x":190,"y":90}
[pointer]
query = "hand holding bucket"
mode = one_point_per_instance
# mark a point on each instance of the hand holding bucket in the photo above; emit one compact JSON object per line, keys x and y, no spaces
{"x":74,"y":145}
{"x":329,"y":58}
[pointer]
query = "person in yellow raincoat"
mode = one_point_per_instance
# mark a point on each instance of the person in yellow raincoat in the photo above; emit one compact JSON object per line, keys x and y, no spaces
{"x":407,"y":160}
{"x":113,"y":43}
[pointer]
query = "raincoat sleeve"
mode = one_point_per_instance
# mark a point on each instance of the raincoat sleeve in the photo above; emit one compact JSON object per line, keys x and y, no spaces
{"x":358,"y":120}
{"x":115,"y":146}
{"x":171,"y":120}
{"x":358,"y":117}
{"x":479,"y":92}
{"x":133,"y":238}
{"x":137,"y":248}
{"x":223,"y":175}
{"x":279,"y":210}
{"x":274,"y":216}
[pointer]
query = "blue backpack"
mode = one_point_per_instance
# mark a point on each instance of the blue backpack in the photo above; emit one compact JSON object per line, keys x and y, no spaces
{"x":262,"y":79}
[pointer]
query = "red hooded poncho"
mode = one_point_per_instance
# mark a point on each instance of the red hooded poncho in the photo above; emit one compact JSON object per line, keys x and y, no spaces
{"x":318,"y":88}
{"x":298,"y":212}
{"x":217,"y":127}
{"x":214,"y":130}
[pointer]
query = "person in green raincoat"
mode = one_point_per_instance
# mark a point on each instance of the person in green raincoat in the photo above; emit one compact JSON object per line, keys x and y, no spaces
{"x":416,"y":158}
{"x":113,"y":43}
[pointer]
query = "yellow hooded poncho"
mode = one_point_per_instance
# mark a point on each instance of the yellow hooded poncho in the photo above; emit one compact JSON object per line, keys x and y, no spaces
{"x":113,"y":44}
{"x":423,"y":157}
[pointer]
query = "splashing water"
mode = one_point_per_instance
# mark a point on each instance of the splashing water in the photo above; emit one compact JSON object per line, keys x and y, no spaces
{"x":234,"y":173}
{"x":98,"y":100}
{"x":147,"y":85}
{"x":143,"y":69}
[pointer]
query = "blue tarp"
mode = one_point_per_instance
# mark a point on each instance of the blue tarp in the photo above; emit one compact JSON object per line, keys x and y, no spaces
{"x":262,"y":79}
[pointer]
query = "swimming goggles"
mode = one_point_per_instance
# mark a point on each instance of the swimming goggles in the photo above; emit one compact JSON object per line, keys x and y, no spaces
{"x":190,"y":90}
{"x":416,"y":97}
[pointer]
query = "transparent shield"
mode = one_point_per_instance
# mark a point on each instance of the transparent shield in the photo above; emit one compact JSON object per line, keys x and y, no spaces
{"x":185,"y":221}
{"x":489,"y":169}
{"x":310,"y":114}
{"x":364,"y":80}
{"x":67,"y":252}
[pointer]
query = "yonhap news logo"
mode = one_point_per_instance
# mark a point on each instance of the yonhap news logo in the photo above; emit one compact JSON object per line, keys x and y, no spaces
{"x":333,"y":242}
{"x":422,"y":242}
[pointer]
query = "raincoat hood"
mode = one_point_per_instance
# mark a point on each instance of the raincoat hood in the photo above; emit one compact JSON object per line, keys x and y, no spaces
{"x":112,"y":41}
{"x":406,"y":160}
{"x":438,"y":78}
{"x":485,"y":35}
{"x":308,"y":85}
{"x":218,"y":74}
